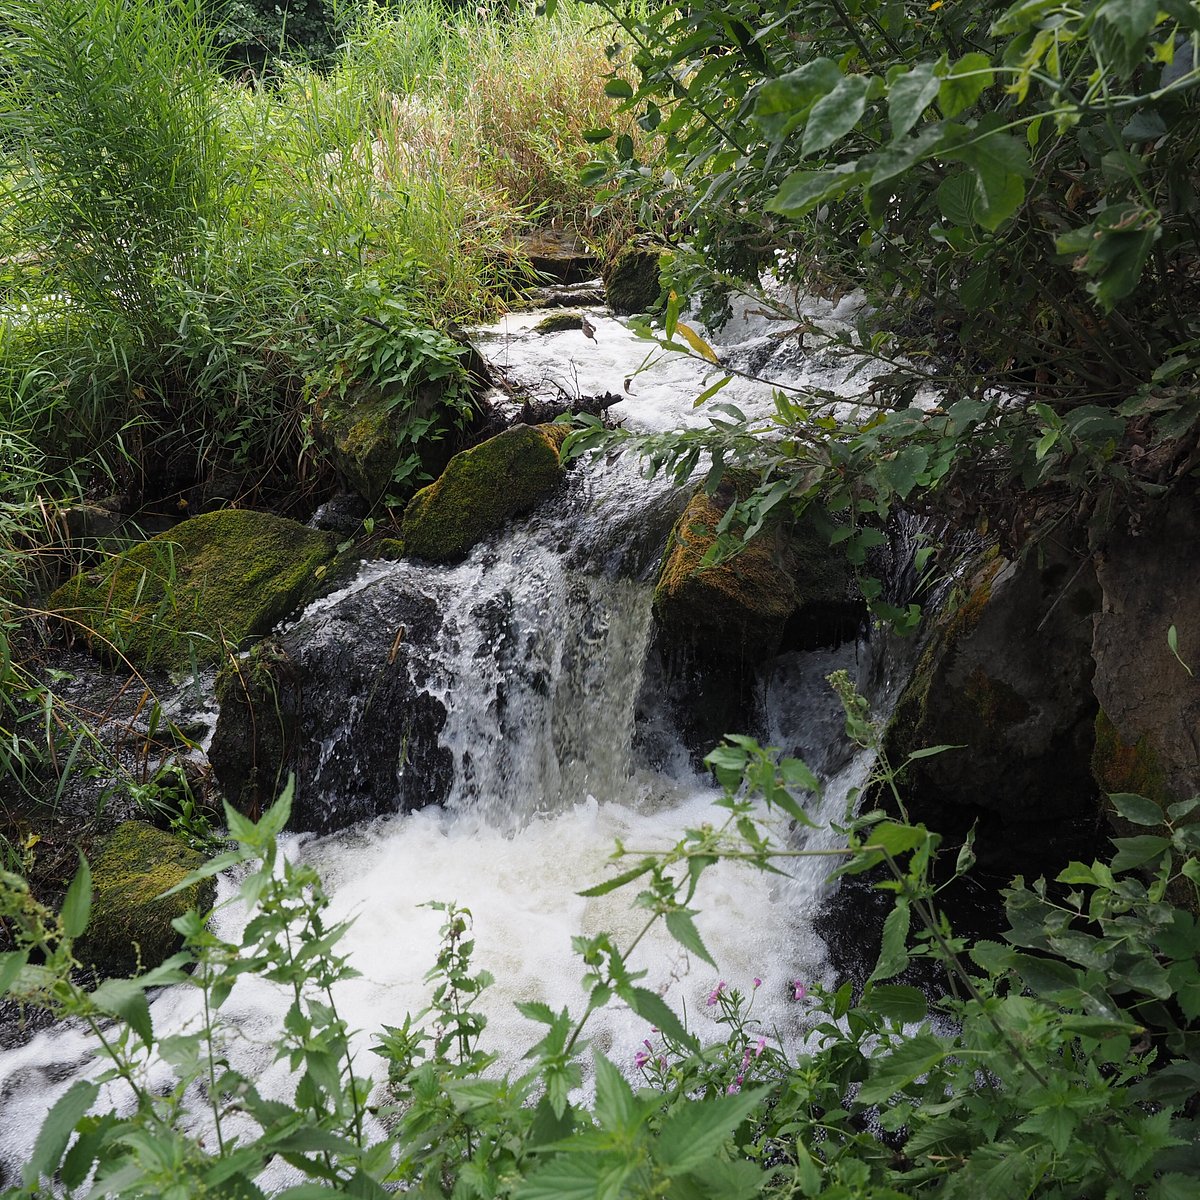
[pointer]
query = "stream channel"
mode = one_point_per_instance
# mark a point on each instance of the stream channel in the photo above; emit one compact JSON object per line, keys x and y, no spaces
{"x":561,"y":733}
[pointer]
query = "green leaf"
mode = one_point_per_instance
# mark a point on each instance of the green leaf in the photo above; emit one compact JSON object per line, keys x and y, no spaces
{"x":618,"y":89}
{"x":907,"y":1004}
{"x":698,"y":1130}
{"x":908,"y":1061}
{"x":893,"y":950}
{"x":802,"y":191}
{"x":909,"y":96}
{"x":902,"y":469}
{"x":565,"y":1177}
{"x":1136,"y":851}
{"x":56,"y":1131}
{"x":783,"y":104}
{"x":611,"y":885}
{"x":535,"y":1010}
{"x":964,"y":83}
{"x":125,"y":998}
{"x":77,"y":906}
{"x":958,"y":199}
{"x":653,"y":1008}
{"x":834,"y":115}
{"x":683,"y":929}
{"x":1137,"y":809}
{"x":615,"y":1106}
{"x":11,"y":964}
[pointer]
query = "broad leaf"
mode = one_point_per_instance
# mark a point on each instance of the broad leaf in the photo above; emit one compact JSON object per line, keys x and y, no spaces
{"x":56,"y":1131}
{"x":909,"y":96}
{"x":77,"y":906}
{"x":834,"y":115}
{"x":696,"y":1131}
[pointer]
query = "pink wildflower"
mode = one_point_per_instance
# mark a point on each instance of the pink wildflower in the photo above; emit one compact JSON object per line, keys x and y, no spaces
{"x":760,"y":1047}
{"x":640,"y":1059}
{"x":757,"y":982}
{"x":799,"y":991}
{"x":715,"y":994}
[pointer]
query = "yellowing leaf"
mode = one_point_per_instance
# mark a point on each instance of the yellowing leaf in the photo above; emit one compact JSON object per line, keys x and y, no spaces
{"x":696,"y":342}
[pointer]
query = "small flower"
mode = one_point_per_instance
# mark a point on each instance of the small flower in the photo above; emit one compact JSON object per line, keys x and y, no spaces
{"x":746,"y":1057}
{"x":760,"y":1047}
{"x":715,"y":994}
{"x":799,"y":991}
{"x":662,"y":1064}
{"x":646,"y":1043}
{"x":733,"y":1088}
{"x":757,"y":982}
{"x":640,"y":1059}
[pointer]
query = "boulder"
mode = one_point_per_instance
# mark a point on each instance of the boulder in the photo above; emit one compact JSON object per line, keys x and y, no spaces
{"x":369,"y":436}
{"x":482,"y":488}
{"x":632,"y":280}
{"x":130,"y":925}
{"x":1148,"y":724}
{"x":1006,"y":676}
{"x":787,"y":578}
{"x":217,"y":579}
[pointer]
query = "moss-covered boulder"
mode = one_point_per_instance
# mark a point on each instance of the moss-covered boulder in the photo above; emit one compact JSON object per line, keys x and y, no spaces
{"x":632,"y":280}
{"x":130,"y":924}
{"x":786,"y":580}
{"x":481,"y":489}
{"x":220,"y":578}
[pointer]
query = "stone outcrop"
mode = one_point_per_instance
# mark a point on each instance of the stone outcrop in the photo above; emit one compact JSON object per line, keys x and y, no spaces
{"x":1148,"y":724}
{"x":481,"y":489}
{"x":632,"y":281}
{"x":214,"y":580}
{"x":1006,"y":675}
{"x":130,"y":925}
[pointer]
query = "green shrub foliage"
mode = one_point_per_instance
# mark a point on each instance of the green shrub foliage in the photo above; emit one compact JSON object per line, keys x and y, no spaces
{"x":1060,"y":1062}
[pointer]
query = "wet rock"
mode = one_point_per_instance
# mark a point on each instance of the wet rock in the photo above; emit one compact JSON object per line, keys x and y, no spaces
{"x":342,"y":700}
{"x":632,"y":281}
{"x":1148,"y":726}
{"x":217,"y":579}
{"x":342,"y":514}
{"x":130,"y":924}
{"x":738,"y":610}
{"x":481,"y":489}
{"x":563,"y":322}
{"x":1007,"y":676}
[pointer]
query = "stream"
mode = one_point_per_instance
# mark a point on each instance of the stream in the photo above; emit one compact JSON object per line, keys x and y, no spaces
{"x":558,"y":733}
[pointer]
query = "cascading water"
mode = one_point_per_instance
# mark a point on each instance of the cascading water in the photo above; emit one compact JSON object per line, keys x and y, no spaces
{"x":542,"y":726}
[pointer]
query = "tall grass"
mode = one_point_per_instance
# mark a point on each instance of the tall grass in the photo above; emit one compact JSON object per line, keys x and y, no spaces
{"x":184,"y":254}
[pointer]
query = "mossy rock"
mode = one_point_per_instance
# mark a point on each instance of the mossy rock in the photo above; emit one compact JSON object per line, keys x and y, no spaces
{"x":223,"y":577}
{"x":560,"y":322}
{"x":632,"y":281}
{"x":786,"y":579}
{"x":481,"y":489}
{"x":130,"y":925}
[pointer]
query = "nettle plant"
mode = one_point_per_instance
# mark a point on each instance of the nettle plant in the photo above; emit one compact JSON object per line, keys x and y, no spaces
{"x":1062,"y":1062}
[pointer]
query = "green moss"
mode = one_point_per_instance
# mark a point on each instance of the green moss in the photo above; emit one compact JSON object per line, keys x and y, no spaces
{"x":222,"y":577}
{"x":996,"y":704}
{"x":560,"y":322}
{"x":1118,"y":766}
{"x":391,"y":549}
{"x":481,"y":489}
{"x":130,"y":926}
{"x":633,"y":282}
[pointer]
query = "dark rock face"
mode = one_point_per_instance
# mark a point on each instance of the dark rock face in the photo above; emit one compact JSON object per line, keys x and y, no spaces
{"x":632,"y":281}
{"x":1148,"y":728}
{"x":1007,"y":676}
{"x":344,"y":702}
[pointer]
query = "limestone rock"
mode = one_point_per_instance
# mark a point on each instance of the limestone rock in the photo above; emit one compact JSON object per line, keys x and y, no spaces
{"x":223,"y":577}
{"x":481,"y":489}
{"x":130,"y":926}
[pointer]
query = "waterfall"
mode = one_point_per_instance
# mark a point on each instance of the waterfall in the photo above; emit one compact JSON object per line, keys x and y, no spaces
{"x":523,"y":682}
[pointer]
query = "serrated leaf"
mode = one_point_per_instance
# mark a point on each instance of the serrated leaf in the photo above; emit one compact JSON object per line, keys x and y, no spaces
{"x":536,"y":1010}
{"x":611,"y":885}
{"x":1136,"y":851}
{"x":897,"y":1003}
{"x":126,"y":998}
{"x":698,"y":1130}
{"x":11,"y":964}
{"x":653,"y":1008}
{"x":565,"y":1177}
{"x":68,"y":1110}
{"x":77,"y":906}
{"x":683,"y":929}
{"x":893,"y":950}
{"x":964,"y":83}
{"x":907,"y":1062}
